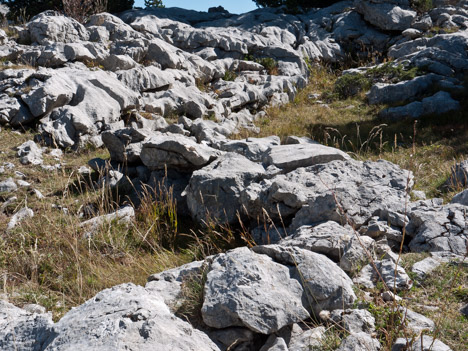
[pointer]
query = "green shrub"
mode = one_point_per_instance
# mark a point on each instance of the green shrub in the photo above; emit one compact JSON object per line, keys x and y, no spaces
{"x":271,"y":65}
{"x":422,"y":5}
{"x":351,"y":84}
{"x":230,"y":76}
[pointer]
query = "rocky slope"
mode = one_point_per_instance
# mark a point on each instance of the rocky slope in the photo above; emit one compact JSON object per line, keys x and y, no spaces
{"x":163,"y":90}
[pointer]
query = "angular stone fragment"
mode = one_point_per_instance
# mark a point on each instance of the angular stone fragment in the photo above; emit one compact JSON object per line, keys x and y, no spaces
{"x":175,"y":151}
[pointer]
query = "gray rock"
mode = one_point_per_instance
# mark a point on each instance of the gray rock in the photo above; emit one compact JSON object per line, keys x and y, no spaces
{"x":438,"y":229}
{"x":416,"y":322}
{"x":394,"y":277}
{"x":168,"y":284}
{"x":290,"y":157}
{"x":422,"y":268}
{"x":175,"y":151}
{"x":20,"y":216}
{"x":424,"y":23}
{"x":340,"y":191}
{"x":464,"y":310}
{"x":215,"y":190}
{"x":386,"y":16}
{"x":30,"y":153}
{"x":359,"y":342}
{"x":354,"y":321}
{"x":437,"y":104}
{"x":8,"y":186}
{"x":23,"y":330}
{"x":357,"y":252}
{"x":424,"y":343}
{"x":122,"y":215}
{"x":50,"y":26}
{"x":252,"y":148}
{"x":251,"y":290}
{"x":461,"y":198}
{"x":329,"y":238}
{"x":383,"y":93}
{"x":126,"y":317}
{"x":275,"y":343}
{"x":326,"y":286}
{"x":307,"y":340}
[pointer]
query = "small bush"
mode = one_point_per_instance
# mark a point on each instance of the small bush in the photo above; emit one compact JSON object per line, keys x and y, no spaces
{"x":421,"y":5}
{"x":351,"y":85}
{"x":271,"y":65}
{"x":230,"y":76}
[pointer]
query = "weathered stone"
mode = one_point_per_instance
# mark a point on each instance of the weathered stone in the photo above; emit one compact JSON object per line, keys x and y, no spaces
{"x":290,"y":157}
{"x":251,"y":290}
{"x":326,"y":286}
{"x":30,"y":153}
{"x":215,"y":190}
{"x":386,"y":16}
{"x":394,"y":277}
{"x":422,"y":268}
{"x":20,"y":216}
{"x":175,"y":151}
{"x":423,"y":343}
{"x":354,"y":321}
{"x":23,"y":330}
{"x":359,"y":342}
{"x":126,"y":317}
{"x":438,"y":229}
{"x":8,"y":186}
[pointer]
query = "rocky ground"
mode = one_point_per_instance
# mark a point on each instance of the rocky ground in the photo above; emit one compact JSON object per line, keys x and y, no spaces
{"x":118,"y":132}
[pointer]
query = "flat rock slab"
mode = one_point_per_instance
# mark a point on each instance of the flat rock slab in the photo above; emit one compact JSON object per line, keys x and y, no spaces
{"x":290,"y":157}
{"x":126,"y":317}
{"x":248,"y":289}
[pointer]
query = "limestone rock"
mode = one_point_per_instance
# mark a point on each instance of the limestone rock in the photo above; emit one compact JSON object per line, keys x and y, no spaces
{"x":215,"y":190}
{"x":326,"y":286}
{"x":30,"y":153}
{"x":251,"y":290}
{"x":23,"y":330}
{"x":290,"y":157}
{"x":126,"y":316}
{"x":175,"y":151}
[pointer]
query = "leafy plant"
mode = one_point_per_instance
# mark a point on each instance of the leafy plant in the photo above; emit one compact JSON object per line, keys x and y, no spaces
{"x":351,"y":85}
{"x":230,"y":76}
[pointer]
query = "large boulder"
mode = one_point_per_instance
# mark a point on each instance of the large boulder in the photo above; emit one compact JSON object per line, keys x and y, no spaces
{"x":341,"y":191}
{"x":215,"y":190}
{"x":326,"y":286}
{"x":438,"y":229}
{"x":247,"y":289}
{"x":51,"y":26}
